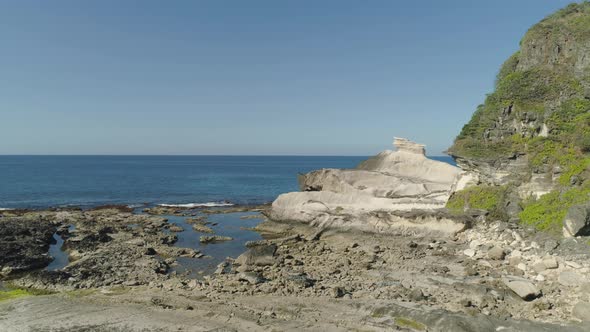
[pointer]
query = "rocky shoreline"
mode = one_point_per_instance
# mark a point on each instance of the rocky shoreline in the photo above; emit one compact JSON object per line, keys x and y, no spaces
{"x":488,"y":275}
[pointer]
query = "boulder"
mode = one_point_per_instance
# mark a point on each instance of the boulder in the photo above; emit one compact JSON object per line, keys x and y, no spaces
{"x":252,"y":278}
{"x":550,"y":262}
{"x":223,"y":268}
{"x":497,"y":253}
{"x":577,"y":221}
{"x":394,"y":192}
{"x":260,"y":255}
{"x":522,"y":287}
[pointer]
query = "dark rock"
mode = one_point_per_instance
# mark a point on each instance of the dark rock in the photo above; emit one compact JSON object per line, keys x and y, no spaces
{"x":466,"y":303}
{"x":214,"y":238}
{"x":260,"y":255}
{"x":577,"y":221}
{"x":301,"y":279}
{"x":252,"y":278}
{"x":338,"y":292}
{"x":223,"y":268}
{"x":24,"y":244}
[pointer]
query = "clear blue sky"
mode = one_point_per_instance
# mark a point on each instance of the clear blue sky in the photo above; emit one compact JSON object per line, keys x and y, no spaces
{"x":248,"y":77}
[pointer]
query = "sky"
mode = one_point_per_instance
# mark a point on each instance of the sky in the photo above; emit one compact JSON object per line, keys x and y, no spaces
{"x":257,"y":77}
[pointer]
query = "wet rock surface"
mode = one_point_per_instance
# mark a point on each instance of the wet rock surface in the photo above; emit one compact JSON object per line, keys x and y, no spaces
{"x":105,"y":247}
{"x":24,"y":244}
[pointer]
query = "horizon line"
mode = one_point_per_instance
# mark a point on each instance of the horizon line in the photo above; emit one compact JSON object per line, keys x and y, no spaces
{"x":192,"y":155}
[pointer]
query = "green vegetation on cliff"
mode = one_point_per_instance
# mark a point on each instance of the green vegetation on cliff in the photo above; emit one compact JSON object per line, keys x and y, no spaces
{"x":539,"y":113}
{"x":548,"y":212}
{"x":488,"y":198}
{"x":541,"y":84}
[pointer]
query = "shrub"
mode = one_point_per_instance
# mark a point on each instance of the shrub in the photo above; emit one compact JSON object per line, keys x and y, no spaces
{"x":508,"y":67}
{"x":489,"y":198}
{"x":547,"y":212}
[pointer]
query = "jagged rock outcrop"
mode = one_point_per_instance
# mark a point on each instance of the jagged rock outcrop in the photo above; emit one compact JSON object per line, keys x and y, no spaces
{"x":532,"y":134}
{"x":395,"y":191}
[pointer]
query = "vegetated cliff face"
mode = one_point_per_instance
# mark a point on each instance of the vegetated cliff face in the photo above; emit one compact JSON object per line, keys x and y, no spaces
{"x":529,"y":143}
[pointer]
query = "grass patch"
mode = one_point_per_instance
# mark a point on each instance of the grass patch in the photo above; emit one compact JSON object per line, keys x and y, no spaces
{"x":16,"y":293}
{"x":409,"y":323}
{"x":13,"y":294}
{"x":547,"y":212}
{"x":489,"y":198}
{"x":574,"y":169}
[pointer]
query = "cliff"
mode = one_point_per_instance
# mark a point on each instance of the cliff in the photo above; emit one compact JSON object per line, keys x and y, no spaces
{"x":528,"y":144}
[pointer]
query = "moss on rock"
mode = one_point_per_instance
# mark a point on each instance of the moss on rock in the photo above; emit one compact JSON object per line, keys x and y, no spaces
{"x":407,"y":323}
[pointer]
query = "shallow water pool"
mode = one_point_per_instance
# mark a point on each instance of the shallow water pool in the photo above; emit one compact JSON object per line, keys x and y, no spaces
{"x":225,"y":224}
{"x":60,"y":257}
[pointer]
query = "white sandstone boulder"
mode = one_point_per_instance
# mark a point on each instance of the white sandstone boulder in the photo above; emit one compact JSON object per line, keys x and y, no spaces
{"x":390,"y":183}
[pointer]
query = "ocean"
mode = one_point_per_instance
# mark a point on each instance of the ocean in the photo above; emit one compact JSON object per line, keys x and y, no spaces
{"x":86,"y":181}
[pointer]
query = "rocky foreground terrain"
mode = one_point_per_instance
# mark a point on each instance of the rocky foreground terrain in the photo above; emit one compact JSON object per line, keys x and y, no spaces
{"x":299,"y":278}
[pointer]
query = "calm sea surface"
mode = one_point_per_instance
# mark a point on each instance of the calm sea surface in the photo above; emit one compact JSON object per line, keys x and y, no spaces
{"x":45,"y":181}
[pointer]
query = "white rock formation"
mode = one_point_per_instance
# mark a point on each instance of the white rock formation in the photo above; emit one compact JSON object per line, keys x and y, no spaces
{"x":377,"y":195}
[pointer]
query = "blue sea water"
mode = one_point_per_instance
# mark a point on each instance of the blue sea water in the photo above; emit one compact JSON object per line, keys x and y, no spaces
{"x":49,"y":181}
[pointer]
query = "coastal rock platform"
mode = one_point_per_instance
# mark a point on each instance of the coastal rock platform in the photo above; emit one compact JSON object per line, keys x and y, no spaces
{"x":398,"y":191}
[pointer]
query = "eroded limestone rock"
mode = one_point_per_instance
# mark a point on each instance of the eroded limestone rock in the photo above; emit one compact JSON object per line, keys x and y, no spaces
{"x":373,"y":196}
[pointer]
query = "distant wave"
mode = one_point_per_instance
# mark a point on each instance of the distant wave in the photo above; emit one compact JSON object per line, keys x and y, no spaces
{"x":196,"y":205}
{"x":5,"y":209}
{"x":135,"y":206}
